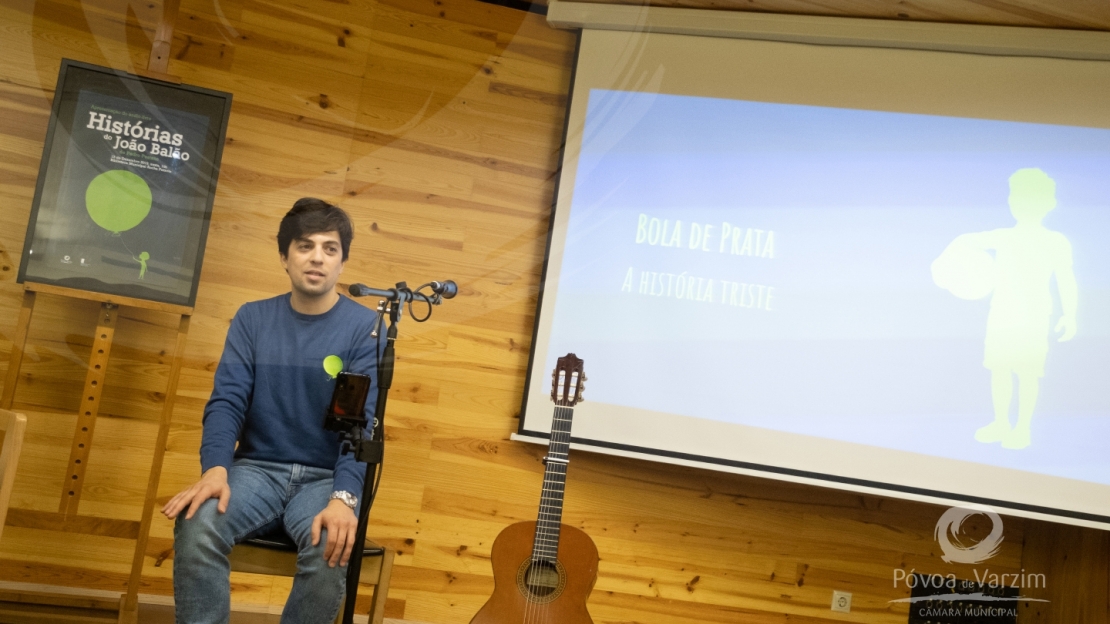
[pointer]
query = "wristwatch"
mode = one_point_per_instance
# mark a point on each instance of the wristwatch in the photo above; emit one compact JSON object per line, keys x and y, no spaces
{"x":346,"y":498}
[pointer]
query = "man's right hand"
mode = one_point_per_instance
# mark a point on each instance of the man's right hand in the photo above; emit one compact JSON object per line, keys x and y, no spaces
{"x":212,"y":484}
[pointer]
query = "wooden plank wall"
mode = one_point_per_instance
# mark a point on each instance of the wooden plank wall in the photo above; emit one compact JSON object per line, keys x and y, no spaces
{"x":437,"y":124}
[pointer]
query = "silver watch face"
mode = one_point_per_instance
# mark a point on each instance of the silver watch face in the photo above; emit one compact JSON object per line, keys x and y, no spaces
{"x":347,"y":498}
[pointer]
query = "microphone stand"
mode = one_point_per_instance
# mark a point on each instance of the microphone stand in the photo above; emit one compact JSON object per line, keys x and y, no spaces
{"x":371,"y":451}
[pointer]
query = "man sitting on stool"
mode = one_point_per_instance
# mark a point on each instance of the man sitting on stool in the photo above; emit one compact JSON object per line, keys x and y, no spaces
{"x":272,"y":389}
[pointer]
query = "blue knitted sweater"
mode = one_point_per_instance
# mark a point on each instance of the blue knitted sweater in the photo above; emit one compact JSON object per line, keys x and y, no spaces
{"x":271,"y":390}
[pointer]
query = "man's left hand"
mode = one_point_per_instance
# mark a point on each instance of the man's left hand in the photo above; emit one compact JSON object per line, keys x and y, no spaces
{"x":341,"y":524}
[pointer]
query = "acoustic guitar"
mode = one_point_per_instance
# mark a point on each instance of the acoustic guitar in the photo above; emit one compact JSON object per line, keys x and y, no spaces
{"x":543,"y":571}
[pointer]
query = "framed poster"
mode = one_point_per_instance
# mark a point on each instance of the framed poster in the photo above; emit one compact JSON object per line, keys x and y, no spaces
{"x":126,"y":185}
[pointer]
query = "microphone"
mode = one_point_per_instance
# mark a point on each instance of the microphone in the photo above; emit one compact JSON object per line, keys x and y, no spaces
{"x":362,"y":290}
{"x":402,"y":294}
{"x":446,"y":289}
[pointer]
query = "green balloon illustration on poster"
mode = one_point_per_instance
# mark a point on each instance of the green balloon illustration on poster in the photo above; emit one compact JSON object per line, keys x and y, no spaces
{"x":118,"y":200}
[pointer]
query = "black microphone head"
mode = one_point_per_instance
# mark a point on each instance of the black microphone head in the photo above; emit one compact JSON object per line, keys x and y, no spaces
{"x":356,"y":289}
{"x":446,"y":289}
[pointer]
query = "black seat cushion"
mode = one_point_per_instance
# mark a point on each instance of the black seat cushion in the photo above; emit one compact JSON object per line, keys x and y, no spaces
{"x":278,"y":540}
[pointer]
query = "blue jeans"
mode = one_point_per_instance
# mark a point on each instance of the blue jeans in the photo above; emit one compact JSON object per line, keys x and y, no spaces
{"x":265,"y":497}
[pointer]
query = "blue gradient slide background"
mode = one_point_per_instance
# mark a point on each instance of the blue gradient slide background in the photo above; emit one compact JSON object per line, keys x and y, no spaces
{"x":859,"y":344}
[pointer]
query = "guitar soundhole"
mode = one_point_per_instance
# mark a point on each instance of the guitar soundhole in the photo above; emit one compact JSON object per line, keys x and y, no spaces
{"x":541,"y":581}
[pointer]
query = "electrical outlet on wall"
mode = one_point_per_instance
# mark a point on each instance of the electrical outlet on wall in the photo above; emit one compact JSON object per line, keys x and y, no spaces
{"x":842,"y":602}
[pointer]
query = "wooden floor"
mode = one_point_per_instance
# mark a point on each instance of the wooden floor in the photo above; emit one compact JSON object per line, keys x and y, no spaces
{"x":153,"y":609}
{"x":148,"y":614}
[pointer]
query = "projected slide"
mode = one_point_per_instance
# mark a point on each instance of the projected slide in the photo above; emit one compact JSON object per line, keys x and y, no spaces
{"x":919,"y":283}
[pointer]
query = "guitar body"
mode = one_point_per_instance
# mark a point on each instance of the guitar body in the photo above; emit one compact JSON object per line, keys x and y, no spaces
{"x":560,"y":595}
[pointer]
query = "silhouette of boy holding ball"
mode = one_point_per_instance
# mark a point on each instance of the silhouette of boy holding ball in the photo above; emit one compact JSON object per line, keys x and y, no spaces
{"x":1018,"y":278}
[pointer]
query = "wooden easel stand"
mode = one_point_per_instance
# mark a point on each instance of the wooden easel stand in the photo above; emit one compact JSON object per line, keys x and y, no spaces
{"x":67,"y":517}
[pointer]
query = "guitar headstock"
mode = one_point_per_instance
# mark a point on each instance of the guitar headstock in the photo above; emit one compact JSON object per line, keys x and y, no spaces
{"x":568,"y":381}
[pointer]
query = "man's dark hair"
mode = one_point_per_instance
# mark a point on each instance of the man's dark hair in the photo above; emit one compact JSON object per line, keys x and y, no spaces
{"x":310,"y":216}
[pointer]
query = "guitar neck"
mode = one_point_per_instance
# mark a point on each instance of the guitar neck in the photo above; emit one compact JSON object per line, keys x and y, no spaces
{"x":546,"y":544}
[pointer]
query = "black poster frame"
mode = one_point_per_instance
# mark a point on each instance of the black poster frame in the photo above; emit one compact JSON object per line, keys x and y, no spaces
{"x":144,"y":94}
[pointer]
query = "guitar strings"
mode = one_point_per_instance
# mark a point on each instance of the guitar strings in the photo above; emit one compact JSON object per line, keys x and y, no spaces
{"x":531,"y":606}
{"x":535,"y":611}
{"x":560,"y":470}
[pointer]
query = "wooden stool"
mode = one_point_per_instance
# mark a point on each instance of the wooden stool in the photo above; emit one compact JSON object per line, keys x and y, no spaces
{"x":277,"y":554}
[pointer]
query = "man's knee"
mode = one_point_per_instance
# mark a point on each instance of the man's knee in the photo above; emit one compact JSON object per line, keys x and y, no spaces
{"x":310,"y":559}
{"x":205,"y":531}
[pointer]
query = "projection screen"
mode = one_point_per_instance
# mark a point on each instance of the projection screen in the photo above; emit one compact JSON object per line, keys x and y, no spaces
{"x":878,"y":269}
